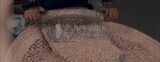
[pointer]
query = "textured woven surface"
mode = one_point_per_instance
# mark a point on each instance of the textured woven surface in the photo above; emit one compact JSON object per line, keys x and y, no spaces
{"x":82,"y":38}
{"x":78,"y":37}
{"x":72,"y":16}
{"x":136,"y":46}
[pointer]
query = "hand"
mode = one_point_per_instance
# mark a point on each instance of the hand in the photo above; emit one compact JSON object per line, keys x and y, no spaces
{"x":33,"y":15}
{"x":110,"y":13}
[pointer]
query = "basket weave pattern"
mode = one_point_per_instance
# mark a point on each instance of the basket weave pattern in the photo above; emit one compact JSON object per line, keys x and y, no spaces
{"x":56,"y":39}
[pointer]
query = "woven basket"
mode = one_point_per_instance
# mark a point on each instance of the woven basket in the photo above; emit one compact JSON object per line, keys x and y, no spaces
{"x":57,"y":39}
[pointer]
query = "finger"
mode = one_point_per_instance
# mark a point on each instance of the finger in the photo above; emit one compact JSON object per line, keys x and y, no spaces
{"x":113,"y":14}
{"x":39,"y":17}
{"x":29,"y":15}
{"x":35,"y":17}
{"x":26,"y":17}
{"x":110,"y":14}
{"x":31,"y":19}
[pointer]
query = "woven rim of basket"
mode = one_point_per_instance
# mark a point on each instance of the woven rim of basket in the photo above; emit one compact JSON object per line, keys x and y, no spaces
{"x":23,"y":41}
{"x":80,"y":15}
